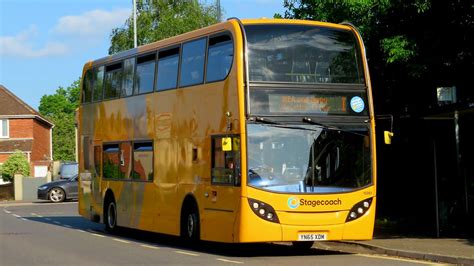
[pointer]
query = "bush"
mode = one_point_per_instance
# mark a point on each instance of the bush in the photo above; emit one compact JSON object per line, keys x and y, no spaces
{"x":15,"y":164}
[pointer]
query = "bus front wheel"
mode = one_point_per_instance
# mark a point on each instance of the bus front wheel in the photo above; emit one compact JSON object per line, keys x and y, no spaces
{"x":190,"y":223}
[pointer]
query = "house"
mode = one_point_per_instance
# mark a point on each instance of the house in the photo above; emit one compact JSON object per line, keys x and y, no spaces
{"x":23,"y":128}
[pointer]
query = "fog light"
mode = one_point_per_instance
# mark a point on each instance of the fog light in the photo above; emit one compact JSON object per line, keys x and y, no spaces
{"x":255,"y":205}
{"x":261,"y":211}
{"x":270,"y":216}
{"x":366,"y":204}
{"x":353,"y":215}
{"x":360,"y":210}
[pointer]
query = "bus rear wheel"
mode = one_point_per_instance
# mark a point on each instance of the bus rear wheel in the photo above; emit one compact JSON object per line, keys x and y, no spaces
{"x":303,"y":245}
{"x":110,"y":217}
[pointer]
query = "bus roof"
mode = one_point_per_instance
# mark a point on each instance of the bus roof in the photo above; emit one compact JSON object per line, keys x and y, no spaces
{"x":230,"y":23}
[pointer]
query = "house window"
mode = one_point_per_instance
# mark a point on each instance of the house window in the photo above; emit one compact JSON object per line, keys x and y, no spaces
{"x":4,"y":131}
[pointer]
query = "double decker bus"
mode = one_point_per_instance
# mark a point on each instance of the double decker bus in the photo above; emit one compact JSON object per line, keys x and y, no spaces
{"x":244,"y":131}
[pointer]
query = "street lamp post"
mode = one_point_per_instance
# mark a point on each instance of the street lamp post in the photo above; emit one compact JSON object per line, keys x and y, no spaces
{"x":135,"y":23}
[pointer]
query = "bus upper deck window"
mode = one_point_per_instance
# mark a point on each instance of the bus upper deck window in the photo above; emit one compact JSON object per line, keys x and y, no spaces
{"x":192,"y":63}
{"x":168,"y":61}
{"x":220,"y":57}
{"x":145,"y":75}
{"x":113,"y":74}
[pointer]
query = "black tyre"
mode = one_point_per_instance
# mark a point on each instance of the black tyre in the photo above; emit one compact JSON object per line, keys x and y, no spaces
{"x":57,"y":194}
{"x":190,"y":228}
{"x":110,"y":216}
{"x":303,"y":245}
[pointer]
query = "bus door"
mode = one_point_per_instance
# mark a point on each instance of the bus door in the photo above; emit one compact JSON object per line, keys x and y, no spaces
{"x":222,"y":195}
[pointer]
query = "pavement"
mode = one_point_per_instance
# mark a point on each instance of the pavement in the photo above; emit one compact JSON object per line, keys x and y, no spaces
{"x":444,"y":250}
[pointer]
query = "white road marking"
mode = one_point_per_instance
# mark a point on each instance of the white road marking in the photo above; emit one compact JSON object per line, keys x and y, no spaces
{"x":68,"y":226}
{"x":23,"y":219}
{"x":230,"y":261}
{"x":97,"y":235}
{"x":398,"y":259}
{"x":121,"y":240}
{"x":187,"y":253}
{"x":148,"y":246}
{"x":16,"y":215}
{"x":80,"y":230}
{"x":7,"y":211}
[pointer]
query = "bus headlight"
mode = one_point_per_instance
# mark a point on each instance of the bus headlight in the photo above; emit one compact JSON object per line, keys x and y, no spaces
{"x":359,"y":209}
{"x":263,"y":210}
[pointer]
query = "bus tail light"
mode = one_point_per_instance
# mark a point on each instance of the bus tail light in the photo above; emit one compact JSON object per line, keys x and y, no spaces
{"x":263,"y":210}
{"x":359,"y":209}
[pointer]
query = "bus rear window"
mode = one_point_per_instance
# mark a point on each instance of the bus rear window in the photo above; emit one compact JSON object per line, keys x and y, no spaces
{"x":303,"y":54}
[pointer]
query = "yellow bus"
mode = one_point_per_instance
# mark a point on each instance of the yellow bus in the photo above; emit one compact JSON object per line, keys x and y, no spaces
{"x":245,"y":131}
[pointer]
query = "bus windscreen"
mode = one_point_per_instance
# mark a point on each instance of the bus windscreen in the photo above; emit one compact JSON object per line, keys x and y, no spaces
{"x":303,"y":54}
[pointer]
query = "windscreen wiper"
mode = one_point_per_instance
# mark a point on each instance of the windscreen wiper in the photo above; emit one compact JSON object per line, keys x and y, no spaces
{"x":264,"y":120}
{"x":308,"y":120}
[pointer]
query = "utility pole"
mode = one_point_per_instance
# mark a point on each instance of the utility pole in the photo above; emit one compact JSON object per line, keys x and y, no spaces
{"x":219,"y":14}
{"x":135,"y":23}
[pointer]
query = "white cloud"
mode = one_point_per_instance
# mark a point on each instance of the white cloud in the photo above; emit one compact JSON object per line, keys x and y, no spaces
{"x":92,"y":23}
{"x":21,"y":45}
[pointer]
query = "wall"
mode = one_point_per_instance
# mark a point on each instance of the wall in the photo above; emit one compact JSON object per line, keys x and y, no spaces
{"x":42,"y":141}
{"x":26,"y":187}
{"x":21,"y":128}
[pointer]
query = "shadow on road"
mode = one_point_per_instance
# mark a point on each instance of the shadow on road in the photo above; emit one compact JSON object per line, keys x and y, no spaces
{"x":161,"y":240}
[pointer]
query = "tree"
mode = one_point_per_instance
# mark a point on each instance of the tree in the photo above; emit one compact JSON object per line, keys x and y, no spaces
{"x":160,"y":19}
{"x":60,"y":108}
{"x":15,"y":164}
{"x":413,"y":46}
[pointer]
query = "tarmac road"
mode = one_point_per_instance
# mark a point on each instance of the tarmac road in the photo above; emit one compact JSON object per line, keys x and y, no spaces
{"x":46,"y":233}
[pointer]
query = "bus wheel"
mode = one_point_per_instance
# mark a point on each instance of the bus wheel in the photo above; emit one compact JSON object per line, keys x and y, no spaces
{"x":303,"y":245}
{"x":110,"y":217}
{"x":190,"y":223}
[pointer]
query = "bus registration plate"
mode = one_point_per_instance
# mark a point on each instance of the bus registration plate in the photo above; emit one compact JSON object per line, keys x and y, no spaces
{"x":312,"y":236}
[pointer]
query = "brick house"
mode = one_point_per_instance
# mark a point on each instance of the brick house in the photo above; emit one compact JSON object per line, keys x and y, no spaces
{"x":23,"y":128}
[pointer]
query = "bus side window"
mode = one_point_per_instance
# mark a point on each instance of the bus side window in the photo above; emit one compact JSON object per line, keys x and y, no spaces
{"x":192,"y":63}
{"x":98,"y":161}
{"x":143,"y":161}
{"x":98,"y":84}
{"x":145,"y":75}
{"x":225,"y":164}
{"x":111,"y":161}
{"x":127,"y":77}
{"x":125,"y":160}
{"x":113,"y":79}
{"x":220,"y":57}
{"x":87,"y":87}
{"x":168,"y":62}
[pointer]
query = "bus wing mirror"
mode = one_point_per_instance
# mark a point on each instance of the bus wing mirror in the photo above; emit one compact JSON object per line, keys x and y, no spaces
{"x":387,"y":136}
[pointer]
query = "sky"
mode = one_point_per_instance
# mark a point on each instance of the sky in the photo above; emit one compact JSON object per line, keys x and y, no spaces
{"x":45,"y":43}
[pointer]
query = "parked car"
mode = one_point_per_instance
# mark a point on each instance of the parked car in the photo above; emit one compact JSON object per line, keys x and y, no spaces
{"x":59,"y":190}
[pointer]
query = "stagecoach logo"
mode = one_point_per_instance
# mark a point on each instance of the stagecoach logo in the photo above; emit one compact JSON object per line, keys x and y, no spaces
{"x":357,"y":104}
{"x":293,"y":202}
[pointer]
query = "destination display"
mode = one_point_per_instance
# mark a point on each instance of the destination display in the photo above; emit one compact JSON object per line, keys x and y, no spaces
{"x":278,"y":102}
